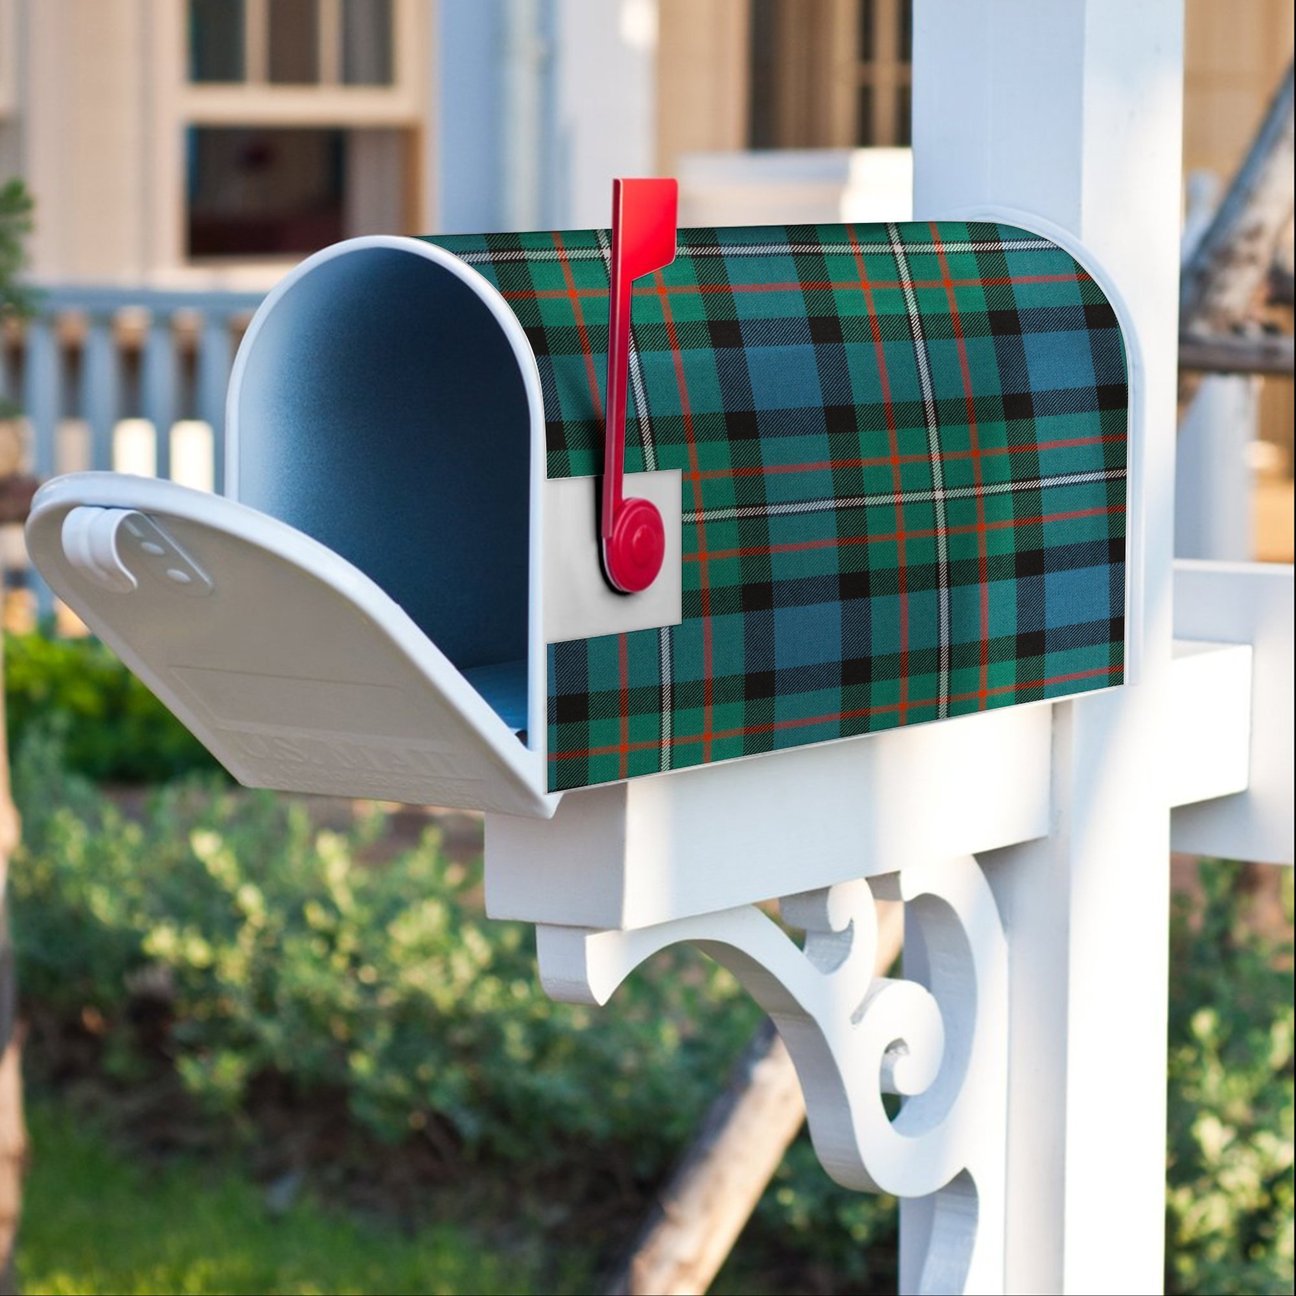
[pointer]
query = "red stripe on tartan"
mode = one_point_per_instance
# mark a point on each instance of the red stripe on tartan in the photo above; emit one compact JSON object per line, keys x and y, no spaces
{"x":704,"y":579}
{"x":623,"y":664}
{"x":824,"y":285}
{"x":844,"y":542}
{"x":574,"y":297}
{"x":829,"y":465}
{"x":901,"y":577}
{"x":858,"y":713}
{"x":983,"y":562}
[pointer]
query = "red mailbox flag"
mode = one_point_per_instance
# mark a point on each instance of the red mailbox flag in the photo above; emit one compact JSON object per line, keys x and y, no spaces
{"x":644,"y":219}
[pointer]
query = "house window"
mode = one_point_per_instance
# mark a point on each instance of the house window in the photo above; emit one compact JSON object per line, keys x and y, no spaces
{"x":300,"y":122}
{"x":830,"y":73}
{"x":293,"y":53}
{"x":257,"y":192}
{"x":291,"y":42}
{"x":216,"y":45}
{"x":264,"y":192}
{"x":367,"y":41}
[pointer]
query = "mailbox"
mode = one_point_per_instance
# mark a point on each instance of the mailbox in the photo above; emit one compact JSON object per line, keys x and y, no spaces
{"x":888,"y":464}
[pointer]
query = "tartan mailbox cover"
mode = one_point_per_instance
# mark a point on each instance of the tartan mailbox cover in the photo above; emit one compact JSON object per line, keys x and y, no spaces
{"x":892,"y":462}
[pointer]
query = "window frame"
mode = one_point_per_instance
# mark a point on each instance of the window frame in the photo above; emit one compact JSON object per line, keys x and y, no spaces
{"x":255,"y":100}
{"x":815,"y":98}
{"x":180,"y":104}
{"x":886,"y":72}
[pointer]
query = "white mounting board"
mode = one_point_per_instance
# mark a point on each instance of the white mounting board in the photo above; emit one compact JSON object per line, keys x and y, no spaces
{"x":631,"y":854}
{"x":1246,"y":603}
{"x":578,"y":601}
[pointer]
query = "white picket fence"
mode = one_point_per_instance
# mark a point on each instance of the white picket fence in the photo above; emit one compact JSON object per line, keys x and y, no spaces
{"x":131,"y":380}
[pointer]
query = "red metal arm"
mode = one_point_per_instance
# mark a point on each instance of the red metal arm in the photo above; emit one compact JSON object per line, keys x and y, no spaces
{"x":644,"y":216}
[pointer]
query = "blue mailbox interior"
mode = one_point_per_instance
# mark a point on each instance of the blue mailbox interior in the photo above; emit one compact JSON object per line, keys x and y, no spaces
{"x":382,"y":411}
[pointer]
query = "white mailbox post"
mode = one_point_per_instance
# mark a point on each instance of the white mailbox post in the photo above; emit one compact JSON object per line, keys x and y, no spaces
{"x":1031,"y":1023}
{"x":1074,"y":111}
{"x":1029,"y":844}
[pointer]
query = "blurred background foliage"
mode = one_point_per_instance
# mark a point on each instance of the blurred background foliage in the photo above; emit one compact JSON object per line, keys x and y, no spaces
{"x":112,"y":728}
{"x":1229,"y":1196}
{"x":322,"y":1011}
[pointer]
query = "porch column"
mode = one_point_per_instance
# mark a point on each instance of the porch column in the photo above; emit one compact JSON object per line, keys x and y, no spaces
{"x":1072,"y":113}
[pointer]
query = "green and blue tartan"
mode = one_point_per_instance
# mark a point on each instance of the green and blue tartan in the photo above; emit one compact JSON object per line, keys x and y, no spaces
{"x":903,"y":451}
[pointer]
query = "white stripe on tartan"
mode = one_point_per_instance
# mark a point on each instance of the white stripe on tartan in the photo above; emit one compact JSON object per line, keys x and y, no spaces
{"x":846,"y":249}
{"x":937,"y":467}
{"x":531,"y":254}
{"x":667,"y":697}
{"x":636,"y":374}
{"x":760,"y":249}
{"x":904,"y":497}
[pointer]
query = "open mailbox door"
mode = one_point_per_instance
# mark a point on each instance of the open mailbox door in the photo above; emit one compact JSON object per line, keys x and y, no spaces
{"x":292,"y":666}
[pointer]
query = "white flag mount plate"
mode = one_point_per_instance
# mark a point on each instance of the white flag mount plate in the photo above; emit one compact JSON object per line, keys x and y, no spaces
{"x":288,"y":663}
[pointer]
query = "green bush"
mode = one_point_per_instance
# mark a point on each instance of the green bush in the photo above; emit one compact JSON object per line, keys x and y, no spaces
{"x":1230,"y":1199}
{"x":837,"y":1239}
{"x":280,"y":952}
{"x":113,"y":728}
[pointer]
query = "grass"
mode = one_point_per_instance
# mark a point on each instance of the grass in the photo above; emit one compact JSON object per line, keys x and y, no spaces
{"x":95,"y":1221}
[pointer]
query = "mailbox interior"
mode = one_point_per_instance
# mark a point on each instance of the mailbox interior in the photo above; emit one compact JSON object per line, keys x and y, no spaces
{"x":385,"y":403}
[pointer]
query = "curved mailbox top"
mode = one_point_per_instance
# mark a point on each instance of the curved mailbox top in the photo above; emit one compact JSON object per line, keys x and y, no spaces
{"x":903,"y":452}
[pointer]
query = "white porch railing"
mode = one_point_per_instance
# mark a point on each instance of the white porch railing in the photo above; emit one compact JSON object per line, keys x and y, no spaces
{"x":123,"y":379}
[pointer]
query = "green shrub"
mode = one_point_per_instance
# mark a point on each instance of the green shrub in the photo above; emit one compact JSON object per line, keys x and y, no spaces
{"x":282,"y":954}
{"x":17,"y":300}
{"x":840,"y":1240}
{"x":1230,"y":1200}
{"x":113,"y":728}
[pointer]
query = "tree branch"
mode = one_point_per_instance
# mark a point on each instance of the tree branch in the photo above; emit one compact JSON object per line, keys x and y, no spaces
{"x":1237,"y":353}
{"x":1226,"y":273}
{"x":701,"y":1210}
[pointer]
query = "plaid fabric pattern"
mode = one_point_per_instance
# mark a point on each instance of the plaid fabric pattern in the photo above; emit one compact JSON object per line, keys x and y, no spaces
{"x":903,"y":451}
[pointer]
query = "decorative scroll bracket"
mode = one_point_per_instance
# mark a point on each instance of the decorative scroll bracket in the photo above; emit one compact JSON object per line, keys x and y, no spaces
{"x":937,"y":1037}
